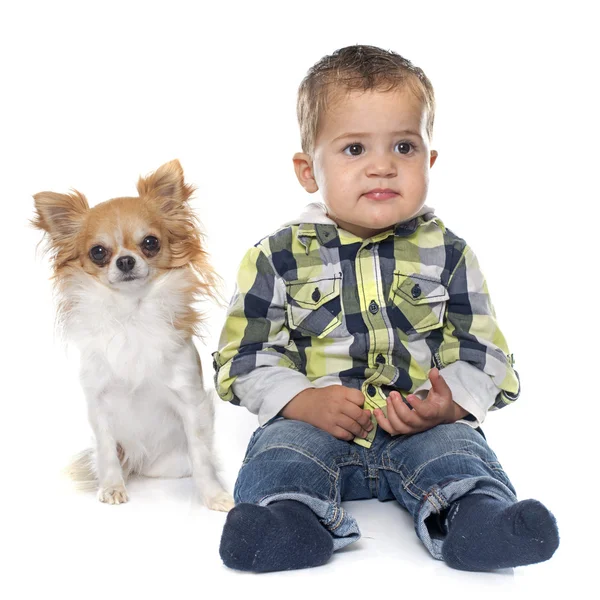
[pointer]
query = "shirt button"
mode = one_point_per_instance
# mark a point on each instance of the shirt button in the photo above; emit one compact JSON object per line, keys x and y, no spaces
{"x":416,"y":291}
{"x":371,"y":390}
{"x":373,"y":307}
{"x":316,"y":295}
{"x":380,"y":359}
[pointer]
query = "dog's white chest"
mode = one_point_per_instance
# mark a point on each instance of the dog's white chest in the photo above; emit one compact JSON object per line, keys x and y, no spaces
{"x":127,"y":339}
{"x":135,"y":366}
{"x":141,"y":346}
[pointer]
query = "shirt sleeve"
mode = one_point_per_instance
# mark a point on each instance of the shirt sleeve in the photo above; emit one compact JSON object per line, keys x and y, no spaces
{"x":471,"y":334}
{"x":265,"y":392}
{"x":257,"y":365}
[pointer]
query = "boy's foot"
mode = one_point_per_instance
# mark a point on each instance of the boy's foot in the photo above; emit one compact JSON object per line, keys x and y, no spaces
{"x":281,"y":536}
{"x":486,"y":534}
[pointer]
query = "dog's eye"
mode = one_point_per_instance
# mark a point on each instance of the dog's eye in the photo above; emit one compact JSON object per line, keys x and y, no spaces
{"x":98,"y":254}
{"x":150,"y":245}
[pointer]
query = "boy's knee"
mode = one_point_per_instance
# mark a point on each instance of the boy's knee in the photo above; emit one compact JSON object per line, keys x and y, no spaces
{"x":292,"y":457}
{"x":281,"y":470}
{"x":452,"y":439}
{"x":286,"y":435}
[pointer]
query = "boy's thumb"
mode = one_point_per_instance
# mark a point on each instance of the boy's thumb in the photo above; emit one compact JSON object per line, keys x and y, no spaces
{"x":438,"y":383}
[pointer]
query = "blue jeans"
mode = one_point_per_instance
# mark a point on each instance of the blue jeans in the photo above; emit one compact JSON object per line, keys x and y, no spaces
{"x":424,"y":472}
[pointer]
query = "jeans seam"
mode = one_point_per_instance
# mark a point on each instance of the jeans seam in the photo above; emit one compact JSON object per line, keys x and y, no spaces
{"x":299,"y":451}
{"x":443,"y":503}
{"x":338,"y":517}
{"x":408,"y":482}
{"x":354,"y":461}
{"x":422,"y":466}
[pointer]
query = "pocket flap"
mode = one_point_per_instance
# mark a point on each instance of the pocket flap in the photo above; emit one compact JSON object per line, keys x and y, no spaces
{"x":419,"y":289}
{"x":313,"y":293}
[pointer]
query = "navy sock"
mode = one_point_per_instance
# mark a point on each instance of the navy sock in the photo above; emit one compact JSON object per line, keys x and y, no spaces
{"x":486,"y":533}
{"x":283,"y":535}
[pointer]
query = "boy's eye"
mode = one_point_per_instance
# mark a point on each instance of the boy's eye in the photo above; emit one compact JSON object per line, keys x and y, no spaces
{"x":354,"y":149}
{"x":98,"y":254}
{"x":150,"y":245}
{"x":404,"y":147}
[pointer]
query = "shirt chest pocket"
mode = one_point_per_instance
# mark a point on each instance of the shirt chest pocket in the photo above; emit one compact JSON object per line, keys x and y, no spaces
{"x":314,"y":306}
{"x":418,"y":302}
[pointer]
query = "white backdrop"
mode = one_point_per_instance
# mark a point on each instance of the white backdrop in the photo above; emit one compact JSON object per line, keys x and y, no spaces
{"x":96,"y":93}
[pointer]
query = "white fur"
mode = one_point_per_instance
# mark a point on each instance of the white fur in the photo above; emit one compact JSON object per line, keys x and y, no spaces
{"x":143,"y":384}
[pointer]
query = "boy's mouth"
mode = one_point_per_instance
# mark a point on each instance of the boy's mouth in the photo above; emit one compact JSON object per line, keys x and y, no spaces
{"x":381,"y":194}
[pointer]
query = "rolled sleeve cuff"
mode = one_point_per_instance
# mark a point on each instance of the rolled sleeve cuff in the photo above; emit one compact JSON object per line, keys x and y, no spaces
{"x":265,"y":391}
{"x":471,"y":389}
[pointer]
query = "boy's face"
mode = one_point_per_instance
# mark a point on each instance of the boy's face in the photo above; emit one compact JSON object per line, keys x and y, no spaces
{"x":371,"y":160}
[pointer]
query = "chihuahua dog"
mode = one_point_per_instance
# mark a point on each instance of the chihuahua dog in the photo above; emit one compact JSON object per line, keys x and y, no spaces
{"x":127,"y":273}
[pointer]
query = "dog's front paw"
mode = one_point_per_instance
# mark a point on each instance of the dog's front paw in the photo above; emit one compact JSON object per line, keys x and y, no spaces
{"x":221,"y":501}
{"x":113,"y":495}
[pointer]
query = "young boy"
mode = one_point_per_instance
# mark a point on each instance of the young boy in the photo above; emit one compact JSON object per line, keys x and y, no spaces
{"x":363,"y":336}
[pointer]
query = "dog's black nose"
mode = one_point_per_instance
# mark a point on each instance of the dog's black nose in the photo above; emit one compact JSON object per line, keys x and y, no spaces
{"x":125,"y":263}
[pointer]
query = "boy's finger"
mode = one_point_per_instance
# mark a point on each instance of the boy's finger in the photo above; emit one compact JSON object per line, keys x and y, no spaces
{"x":438,"y":383}
{"x":355,"y":396}
{"x":383,"y":422}
{"x":400,"y":414}
{"x":351,"y":425}
{"x":341,"y":434}
{"x":365,"y":420}
{"x":426,"y":410}
{"x":397,"y":414}
{"x":361,"y":416}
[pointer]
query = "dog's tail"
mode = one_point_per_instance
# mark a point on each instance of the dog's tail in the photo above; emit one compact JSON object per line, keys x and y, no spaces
{"x":82,"y":471}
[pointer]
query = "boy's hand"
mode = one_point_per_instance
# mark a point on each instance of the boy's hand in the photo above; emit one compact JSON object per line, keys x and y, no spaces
{"x":436,"y":409}
{"x":335,"y":409}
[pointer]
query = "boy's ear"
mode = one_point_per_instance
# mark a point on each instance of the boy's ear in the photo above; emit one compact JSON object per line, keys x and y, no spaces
{"x":432,"y":157}
{"x":303,"y":166}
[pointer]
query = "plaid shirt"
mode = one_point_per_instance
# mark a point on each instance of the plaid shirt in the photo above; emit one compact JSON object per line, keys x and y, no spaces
{"x":315,"y":305}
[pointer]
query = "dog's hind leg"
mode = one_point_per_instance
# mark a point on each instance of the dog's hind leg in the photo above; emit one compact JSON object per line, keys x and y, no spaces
{"x":175,"y":464}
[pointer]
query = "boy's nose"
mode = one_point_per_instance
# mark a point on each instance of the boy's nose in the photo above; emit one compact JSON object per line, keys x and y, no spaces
{"x":382,"y":166}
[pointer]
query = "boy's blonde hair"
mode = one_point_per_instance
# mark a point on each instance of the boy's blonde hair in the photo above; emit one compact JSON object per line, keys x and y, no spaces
{"x":357,"y":68}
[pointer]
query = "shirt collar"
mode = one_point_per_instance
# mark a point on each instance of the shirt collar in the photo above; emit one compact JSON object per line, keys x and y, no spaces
{"x":313,"y":222}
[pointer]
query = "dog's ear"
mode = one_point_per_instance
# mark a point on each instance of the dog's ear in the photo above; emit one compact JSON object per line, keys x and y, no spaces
{"x":59,"y":215}
{"x":166,"y":187}
{"x":166,"y":190}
